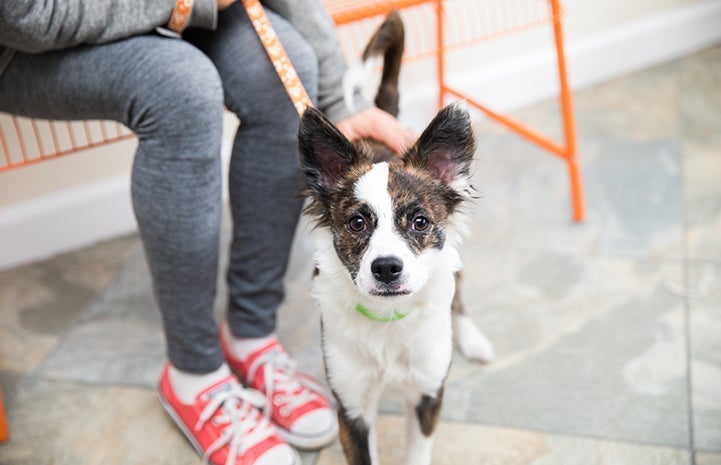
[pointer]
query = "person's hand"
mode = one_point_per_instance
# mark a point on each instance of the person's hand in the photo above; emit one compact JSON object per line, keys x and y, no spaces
{"x":376,"y":124}
{"x":223,"y":4}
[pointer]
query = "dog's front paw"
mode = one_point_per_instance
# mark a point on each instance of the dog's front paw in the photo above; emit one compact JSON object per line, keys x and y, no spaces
{"x":471,"y":342}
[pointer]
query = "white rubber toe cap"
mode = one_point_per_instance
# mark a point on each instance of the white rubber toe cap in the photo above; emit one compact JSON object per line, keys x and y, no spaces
{"x":281,"y":454}
{"x":313,"y":430}
{"x":314,"y":423}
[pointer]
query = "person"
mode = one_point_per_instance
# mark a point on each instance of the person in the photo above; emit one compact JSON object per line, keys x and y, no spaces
{"x":120,"y":60}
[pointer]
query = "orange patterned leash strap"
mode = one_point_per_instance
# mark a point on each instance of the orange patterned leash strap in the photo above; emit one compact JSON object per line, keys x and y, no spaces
{"x":277,"y":56}
{"x":181,"y":15}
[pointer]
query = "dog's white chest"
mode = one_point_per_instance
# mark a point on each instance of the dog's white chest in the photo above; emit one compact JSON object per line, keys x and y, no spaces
{"x":412,"y":354}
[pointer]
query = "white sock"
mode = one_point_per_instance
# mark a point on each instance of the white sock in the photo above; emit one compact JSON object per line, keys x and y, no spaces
{"x":241,"y":348}
{"x":187,"y":386}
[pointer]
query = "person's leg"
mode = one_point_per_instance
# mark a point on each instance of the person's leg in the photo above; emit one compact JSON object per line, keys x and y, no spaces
{"x":170,"y":94}
{"x":265,"y":183}
{"x":265,"y":177}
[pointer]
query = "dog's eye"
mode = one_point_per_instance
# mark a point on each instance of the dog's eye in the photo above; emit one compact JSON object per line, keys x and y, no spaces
{"x":357,"y":224}
{"x":421,"y":223}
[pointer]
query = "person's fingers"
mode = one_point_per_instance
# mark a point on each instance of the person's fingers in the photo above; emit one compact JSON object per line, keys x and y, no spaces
{"x":347,"y":128}
{"x":397,"y":137}
{"x":379,"y":125}
{"x":223,"y":4}
{"x":389,"y":132}
{"x":409,"y":138}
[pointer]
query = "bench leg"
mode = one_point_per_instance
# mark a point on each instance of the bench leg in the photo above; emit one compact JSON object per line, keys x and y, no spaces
{"x":4,"y":433}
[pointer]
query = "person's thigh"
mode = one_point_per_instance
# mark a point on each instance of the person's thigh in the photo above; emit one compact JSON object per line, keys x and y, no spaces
{"x":252,"y":87}
{"x":170,"y":94}
{"x":265,"y":177}
{"x":130,"y":81}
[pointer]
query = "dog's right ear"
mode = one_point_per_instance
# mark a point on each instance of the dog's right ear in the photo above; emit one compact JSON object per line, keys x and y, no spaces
{"x":326,"y":154}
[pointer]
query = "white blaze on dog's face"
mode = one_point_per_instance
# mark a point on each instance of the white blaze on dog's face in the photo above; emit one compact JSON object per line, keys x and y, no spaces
{"x":388,"y":221}
{"x":400,"y":237}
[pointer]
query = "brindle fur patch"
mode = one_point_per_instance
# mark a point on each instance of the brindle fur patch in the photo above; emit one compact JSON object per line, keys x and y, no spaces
{"x":325,"y":203}
{"x":428,"y":412}
{"x":353,"y":435}
{"x":416,"y":193}
{"x":350,"y":246}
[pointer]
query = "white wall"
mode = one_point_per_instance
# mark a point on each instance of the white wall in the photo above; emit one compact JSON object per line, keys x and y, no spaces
{"x":604,"y":39}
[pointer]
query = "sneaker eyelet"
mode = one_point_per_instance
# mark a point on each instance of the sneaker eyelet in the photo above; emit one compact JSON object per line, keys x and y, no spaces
{"x":284,"y":411}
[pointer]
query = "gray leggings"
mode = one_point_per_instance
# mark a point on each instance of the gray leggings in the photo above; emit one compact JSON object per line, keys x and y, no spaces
{"x":171,"y":93}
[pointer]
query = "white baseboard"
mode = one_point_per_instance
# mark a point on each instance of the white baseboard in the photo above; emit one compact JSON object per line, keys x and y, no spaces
{"x":634,"y":46}
{"x":64,"y":221}
{"x":75,"y":218}
{"x":72,"y":219}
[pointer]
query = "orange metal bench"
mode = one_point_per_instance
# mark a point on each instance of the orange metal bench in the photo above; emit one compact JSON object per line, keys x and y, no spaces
{"x":446,"y":18}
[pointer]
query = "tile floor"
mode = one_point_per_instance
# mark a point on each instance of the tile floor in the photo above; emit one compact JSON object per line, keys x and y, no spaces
{"x":608,"y":333}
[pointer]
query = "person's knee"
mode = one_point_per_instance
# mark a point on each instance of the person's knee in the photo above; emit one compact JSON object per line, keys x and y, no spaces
{"x":262,"y":99}
{"x":182,"y":96}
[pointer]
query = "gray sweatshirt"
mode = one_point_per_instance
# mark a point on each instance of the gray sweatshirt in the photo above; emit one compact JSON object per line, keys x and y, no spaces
{"x":35,"y":26}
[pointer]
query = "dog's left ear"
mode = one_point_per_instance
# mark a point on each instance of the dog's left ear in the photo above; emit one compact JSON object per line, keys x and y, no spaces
{"x":446,"y":147}
{"x":326,"y":154}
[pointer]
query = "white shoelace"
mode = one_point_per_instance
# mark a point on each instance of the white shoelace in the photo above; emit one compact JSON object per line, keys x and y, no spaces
{"x":245,"y":427}
{"x":285,"y":386}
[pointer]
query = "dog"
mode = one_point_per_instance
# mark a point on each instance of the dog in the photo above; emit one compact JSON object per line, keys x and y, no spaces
{"x":386,"y":264}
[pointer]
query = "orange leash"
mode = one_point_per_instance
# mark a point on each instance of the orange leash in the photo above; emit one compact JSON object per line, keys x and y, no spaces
{"x":277,"y":55}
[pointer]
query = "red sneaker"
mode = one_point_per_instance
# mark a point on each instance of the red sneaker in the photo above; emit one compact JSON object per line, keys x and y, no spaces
{"x":226,"y":427}
{"x":296,"y":402}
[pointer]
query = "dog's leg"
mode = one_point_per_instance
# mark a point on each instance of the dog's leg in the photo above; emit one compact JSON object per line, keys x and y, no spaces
{"x":358,"y":434}
{"x":354,"y":437}
{"x":357,"y":395}
{"x":471,"y":342}
{"x":421,"y":420}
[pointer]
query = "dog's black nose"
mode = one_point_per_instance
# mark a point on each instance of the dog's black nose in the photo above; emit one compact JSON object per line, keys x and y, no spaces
{"x":387,"y":269}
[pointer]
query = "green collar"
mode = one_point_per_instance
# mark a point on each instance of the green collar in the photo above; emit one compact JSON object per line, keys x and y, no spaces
{"x":376,"y":317}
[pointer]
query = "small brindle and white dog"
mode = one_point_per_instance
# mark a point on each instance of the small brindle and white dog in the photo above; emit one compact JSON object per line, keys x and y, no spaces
{"x":386,"y":265}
